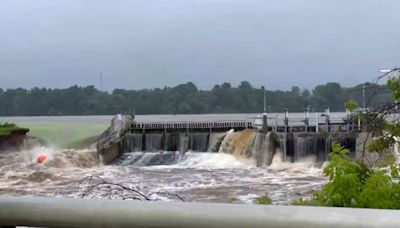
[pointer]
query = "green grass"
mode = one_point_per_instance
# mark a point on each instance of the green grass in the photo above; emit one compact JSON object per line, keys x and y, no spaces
{"x":5,"y":131}
{"x":64,"y":135}
{"x":7,"y":128}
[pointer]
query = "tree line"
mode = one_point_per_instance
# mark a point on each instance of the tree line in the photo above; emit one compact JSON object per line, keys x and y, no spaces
{"x":184,"y":99}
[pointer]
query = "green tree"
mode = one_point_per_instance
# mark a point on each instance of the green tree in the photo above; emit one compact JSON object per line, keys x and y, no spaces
{"x":351,"y":105}
{"x":183,"y":98}
{"x":352,"y":183}
{"x":331,"y":94}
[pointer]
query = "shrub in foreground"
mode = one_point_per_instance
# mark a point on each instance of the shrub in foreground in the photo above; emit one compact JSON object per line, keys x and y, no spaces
{"x":352,"y":184}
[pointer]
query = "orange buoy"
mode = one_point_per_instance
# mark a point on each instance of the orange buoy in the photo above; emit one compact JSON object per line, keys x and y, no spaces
{"x":41,"y":159}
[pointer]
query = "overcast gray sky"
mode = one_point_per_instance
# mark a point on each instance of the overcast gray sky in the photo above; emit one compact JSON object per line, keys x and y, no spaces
{"x":152,"y":43}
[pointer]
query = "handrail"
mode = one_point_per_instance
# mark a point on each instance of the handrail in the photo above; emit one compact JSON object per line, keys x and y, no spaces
{"x":62,"y":212}
{"x":183,"y":125}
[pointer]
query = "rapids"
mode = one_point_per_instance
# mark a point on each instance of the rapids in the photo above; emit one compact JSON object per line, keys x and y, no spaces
{"x":195,"y":176}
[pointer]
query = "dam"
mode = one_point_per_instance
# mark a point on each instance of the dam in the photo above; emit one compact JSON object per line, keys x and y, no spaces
{"x":164,"y":142}
{"x":230,"y":162}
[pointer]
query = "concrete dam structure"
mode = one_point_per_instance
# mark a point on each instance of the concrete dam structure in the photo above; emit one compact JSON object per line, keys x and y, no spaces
{"x":164,"y":143}
{"x":246,"y":144}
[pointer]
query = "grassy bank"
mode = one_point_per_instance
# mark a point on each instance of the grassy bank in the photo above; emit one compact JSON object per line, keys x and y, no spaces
{"x":9,"y":128}
{"x":64,"y":134}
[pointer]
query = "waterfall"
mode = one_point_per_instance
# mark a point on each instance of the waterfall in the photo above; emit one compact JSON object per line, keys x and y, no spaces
{"x":324,"y":156}
{"x":282,"y":146}
{"x":183,"y":143}
{"x":198,"y":142}
{"x":297,"y":146}
{"x":246,"y":144}
{"x":133,"y":142}
{"x":251,"y":145}
{"x":172,"y":142}
{"x":215,"y":141}
{"x":154,"y":142}
{"x":239,"y":144}
{"x":317,"y":146}
{"x":263,"y":150}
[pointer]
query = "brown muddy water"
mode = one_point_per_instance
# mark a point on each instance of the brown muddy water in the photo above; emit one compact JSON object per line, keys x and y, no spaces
{"x":195,"y":177}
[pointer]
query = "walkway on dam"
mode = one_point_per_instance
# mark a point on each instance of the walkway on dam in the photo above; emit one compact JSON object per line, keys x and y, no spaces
{"x":295,"y":122}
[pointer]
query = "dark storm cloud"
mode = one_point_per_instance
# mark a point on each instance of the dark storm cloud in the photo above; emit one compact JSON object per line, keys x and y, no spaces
{"x":152,"y":43}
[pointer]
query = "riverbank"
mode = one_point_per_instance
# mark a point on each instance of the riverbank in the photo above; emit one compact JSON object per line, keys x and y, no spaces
{"x":12,"y":136}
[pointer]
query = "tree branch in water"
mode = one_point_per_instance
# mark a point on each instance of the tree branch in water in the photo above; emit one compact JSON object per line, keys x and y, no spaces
{"x":95,"y":186}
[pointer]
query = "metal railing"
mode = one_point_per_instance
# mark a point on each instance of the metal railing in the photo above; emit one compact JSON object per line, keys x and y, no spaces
{"x":192,"y":125}
{"x":61,"y":212}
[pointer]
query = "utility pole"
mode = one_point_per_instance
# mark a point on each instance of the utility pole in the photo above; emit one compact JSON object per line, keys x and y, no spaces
{"x":265,"y":101}
{"x":363,"y":94}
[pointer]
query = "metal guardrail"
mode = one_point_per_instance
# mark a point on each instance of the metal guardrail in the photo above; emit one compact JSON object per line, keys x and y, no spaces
{"x":61,"y":212}
{"x":193,"y":125}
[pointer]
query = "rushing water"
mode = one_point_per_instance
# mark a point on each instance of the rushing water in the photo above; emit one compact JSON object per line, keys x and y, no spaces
{"x":199,"y":177}
{"x":194,"y":176}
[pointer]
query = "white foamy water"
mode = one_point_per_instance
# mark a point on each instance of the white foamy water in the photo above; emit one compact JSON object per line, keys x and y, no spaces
{"x":208,"y":161}
{"x":196,"y":177}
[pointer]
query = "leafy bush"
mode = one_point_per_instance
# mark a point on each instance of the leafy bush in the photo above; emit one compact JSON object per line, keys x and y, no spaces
{"x":352,"y":184}
{"x":264,"y":199}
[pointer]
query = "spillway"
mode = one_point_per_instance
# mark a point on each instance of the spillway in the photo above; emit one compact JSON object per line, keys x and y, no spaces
{"x":247,"y":144}
{"x":239,"y":138}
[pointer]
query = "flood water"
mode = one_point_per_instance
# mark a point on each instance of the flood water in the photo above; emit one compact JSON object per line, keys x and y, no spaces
{"x":192,"y":176}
